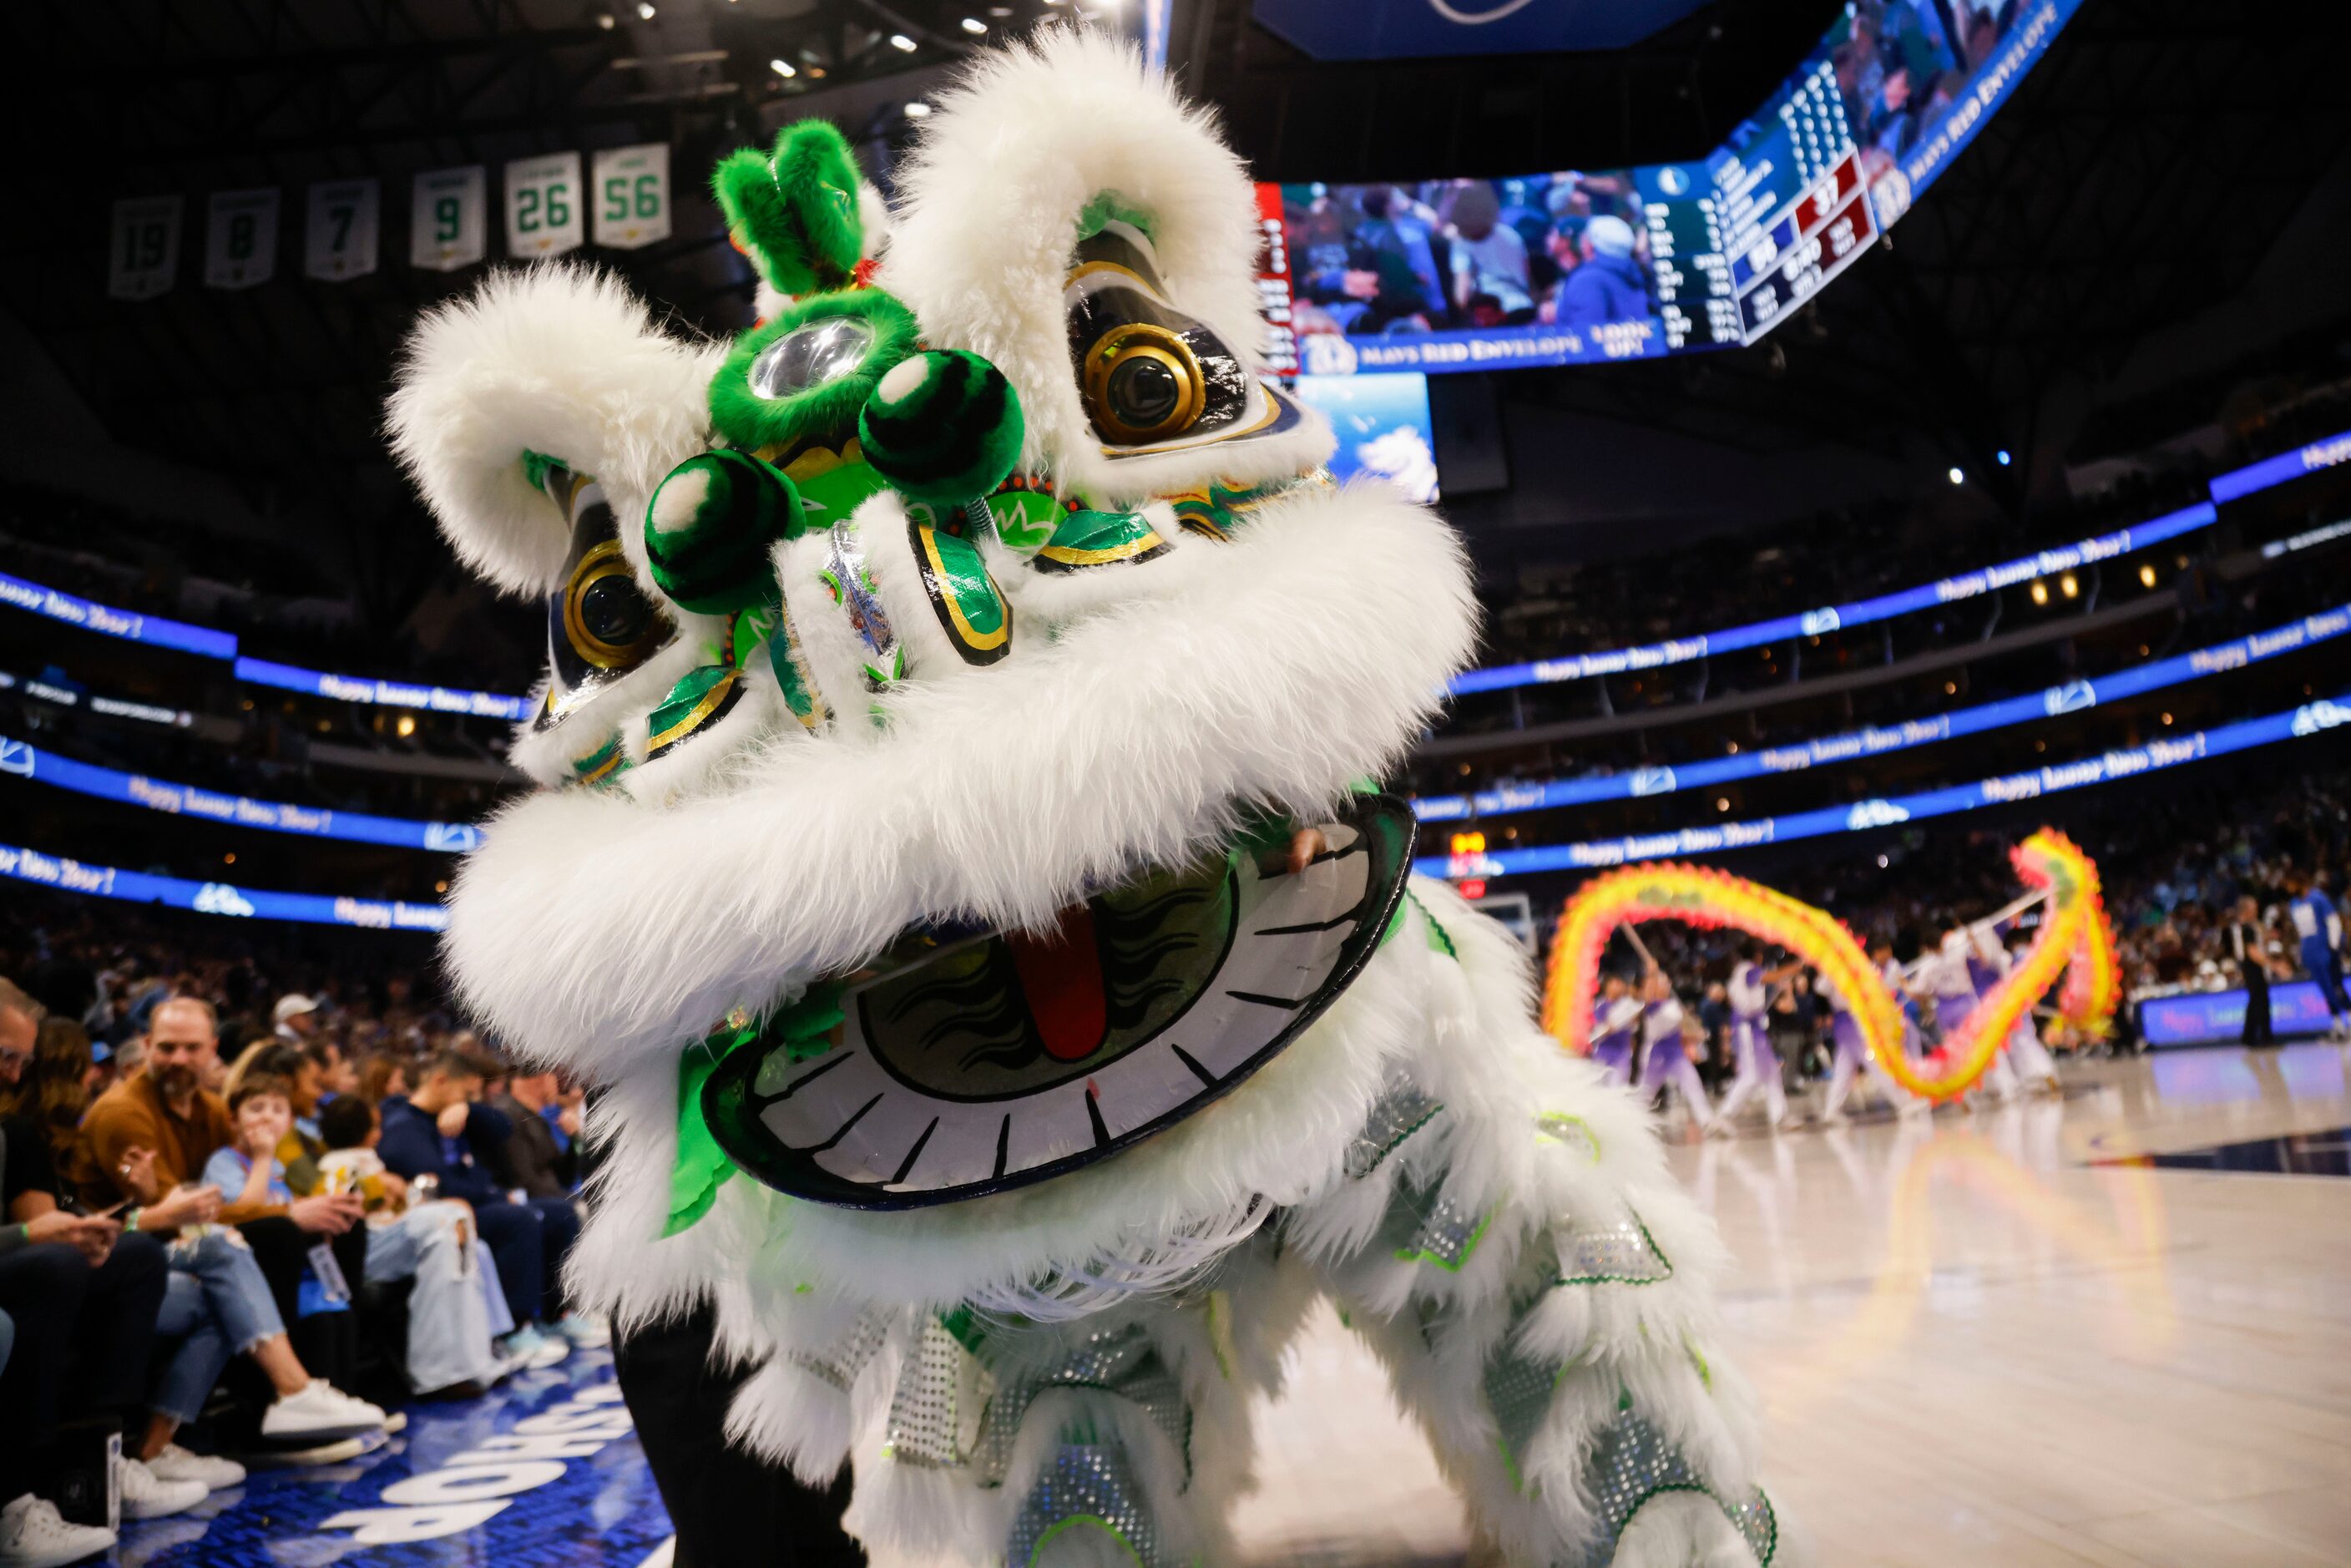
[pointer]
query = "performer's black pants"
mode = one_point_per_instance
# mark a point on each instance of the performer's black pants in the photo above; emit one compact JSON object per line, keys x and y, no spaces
{"x":731,"y":1508}
{"x":327,"y":1343}
{"x":81,"y":1342}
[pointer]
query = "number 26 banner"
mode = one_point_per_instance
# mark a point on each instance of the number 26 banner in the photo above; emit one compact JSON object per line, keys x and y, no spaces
{"x":543,"y":197}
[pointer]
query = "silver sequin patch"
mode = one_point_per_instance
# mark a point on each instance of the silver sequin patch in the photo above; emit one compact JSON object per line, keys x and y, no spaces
{"x":853,"y":583}
{"x":1619,"y":1252}
{"x":1120,"y":1360}
{"x":1397,"y":1114}
{"x":1631,"y":1463}
{"x":840,"y":1362}
{"x":1517,"y":1391}
{"x":1434,"y":1228}
{"x":1560,"y":1127}
{"x":936,"y":1411}
{"x":1093,"y":1481}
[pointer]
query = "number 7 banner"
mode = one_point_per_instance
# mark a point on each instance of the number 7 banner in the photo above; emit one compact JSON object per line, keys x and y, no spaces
{"x":449,"y":219}
{"x":630,"y":186}
{"x":543,"y":198}
{"x":339,"y":234}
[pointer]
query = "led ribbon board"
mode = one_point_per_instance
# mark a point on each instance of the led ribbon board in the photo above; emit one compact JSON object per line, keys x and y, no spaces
{"x":92,"y":616}
{"x":22,"y":760}
{"x":2235,"y":485}
{"x":1836,"y":617}
{"x":2127,"y":762}
{"x":2072,"y":697}
{"x":68,"y":875}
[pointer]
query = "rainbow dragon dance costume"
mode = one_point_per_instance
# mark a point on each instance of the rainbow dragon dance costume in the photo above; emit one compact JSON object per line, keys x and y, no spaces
{"x":1013,"y":1006}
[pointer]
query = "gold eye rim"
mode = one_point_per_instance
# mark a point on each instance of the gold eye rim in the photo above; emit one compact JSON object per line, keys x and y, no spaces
{"x":1126,"y":344}
{"x":606,"y":561}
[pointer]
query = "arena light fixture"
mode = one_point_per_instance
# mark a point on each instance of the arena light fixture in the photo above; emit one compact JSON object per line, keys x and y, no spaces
{"x":974,"y":25}
{"x":645,"y":9}
{"x":918,"y":110}
{"x":2147,"y":574}
{"x":2040,"y":592}
{"x":784,"y":69}
{"x":2069,"y":585}
{"x":2001,"y":457}
{"x":900,"y":42}
{"x":1959,"y":477}
{"x":407,"y":725}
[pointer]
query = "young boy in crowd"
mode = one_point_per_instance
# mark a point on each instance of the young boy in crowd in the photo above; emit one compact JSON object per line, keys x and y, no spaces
{"x":456,"y":1309}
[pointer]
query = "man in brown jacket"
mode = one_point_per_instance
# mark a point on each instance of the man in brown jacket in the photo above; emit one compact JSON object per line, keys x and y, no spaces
{"x":163,"y":1111}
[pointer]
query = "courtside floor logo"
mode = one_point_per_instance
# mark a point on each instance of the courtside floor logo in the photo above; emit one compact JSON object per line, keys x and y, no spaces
{"x":479,"y":1483}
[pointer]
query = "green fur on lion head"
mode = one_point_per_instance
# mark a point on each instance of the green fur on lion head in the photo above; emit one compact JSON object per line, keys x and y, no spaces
{"x":794,"y":210}
{"x":945,"y":428}
{"x":823,"y":410}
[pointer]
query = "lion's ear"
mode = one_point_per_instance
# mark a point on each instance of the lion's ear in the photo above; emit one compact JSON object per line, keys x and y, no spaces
{"x":794,"y":212}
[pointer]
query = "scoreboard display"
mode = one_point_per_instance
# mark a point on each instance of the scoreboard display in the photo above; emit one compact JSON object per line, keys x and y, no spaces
{"x":1666,"y":258}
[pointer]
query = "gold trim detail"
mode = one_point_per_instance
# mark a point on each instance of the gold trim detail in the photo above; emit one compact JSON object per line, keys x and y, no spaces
{"x":699,"y":717}
{"x":978,"y":641}
{"x":1067,"y":556}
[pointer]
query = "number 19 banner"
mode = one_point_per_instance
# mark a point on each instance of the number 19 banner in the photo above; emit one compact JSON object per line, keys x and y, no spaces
{"x":543,"y":199}
{"x":146,"y":247}
{"x":339,"y":232}
{"x":449,"y":219}
{"x":630,"y":187}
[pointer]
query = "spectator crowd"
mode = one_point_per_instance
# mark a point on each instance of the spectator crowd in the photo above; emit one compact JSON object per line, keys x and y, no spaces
{"x":245,"y":1225}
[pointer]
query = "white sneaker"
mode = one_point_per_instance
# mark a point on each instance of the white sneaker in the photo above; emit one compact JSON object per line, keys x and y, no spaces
{"x":584,"y":1332}
{"x":535,"y":1349}
{"x":320,"y":1412}
{"x":33,"y":1534}
{"x":176,"y":1464}
{"x":146,"y":1496}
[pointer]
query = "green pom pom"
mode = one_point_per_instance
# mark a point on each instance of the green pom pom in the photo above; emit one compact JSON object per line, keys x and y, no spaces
{"x":794,"y":210}
{"x":943,"y":427}
{"x":709,"y":528}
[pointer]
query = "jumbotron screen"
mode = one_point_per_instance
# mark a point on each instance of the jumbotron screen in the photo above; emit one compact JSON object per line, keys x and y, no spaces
{"x":1615,"y":263}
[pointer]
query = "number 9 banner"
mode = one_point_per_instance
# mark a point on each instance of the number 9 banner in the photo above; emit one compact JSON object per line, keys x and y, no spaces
{"x":543,"y":197}
{"x":449,"y":219}
{"x":631,"y":196}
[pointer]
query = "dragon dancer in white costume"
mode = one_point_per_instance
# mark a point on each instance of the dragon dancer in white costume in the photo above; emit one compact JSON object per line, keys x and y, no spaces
{"x":1012,"y":1007}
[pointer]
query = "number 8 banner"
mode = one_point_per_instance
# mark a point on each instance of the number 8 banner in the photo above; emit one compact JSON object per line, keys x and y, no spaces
{"x":630,"y":186}
{"x":449,"y":219}
{"x":543,"y":199}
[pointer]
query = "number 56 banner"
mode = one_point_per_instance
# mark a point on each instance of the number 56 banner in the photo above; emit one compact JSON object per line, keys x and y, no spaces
{"x":632,"y":195}
{"x":543,"y":198}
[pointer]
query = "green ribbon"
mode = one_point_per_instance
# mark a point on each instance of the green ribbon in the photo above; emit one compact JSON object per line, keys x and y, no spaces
{"x":801,"y":1030}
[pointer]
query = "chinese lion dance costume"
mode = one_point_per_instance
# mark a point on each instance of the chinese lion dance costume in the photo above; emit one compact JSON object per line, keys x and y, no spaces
{"x":957,"y":864}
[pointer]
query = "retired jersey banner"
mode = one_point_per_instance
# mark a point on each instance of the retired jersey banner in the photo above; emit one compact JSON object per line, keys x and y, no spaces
{"x":632,"y":187}
{"x":241,"y":238}
{"x":146,"y":255}
{"x":339,"y":237}
{"x":543,"y":198}
{"x":449,"y":219}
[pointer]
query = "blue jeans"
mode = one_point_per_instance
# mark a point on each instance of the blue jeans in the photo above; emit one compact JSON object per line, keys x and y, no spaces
{"x":450,"y":1320}
{"x":217,"y":1305}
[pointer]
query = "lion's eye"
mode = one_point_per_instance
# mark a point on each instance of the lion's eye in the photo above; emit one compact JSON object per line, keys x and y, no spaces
{"x":1142,"y":384}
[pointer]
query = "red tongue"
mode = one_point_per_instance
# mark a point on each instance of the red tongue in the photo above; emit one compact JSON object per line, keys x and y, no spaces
{"x":1062,"y":977}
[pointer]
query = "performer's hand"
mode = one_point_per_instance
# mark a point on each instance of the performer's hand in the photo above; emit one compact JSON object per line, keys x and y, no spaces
{"x":1304,"y":845}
